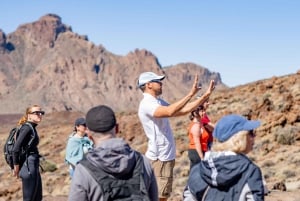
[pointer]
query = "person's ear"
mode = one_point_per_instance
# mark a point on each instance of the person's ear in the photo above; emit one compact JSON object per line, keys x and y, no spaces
{"x":149,"y":85}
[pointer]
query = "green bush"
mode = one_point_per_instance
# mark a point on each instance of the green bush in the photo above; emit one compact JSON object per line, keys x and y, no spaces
{"x":289,"y":173}
{"x":268,"y":164}
{"x":48,"y":166}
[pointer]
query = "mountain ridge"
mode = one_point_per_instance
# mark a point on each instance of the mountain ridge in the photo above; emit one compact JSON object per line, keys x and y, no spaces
{"x":45,"y":62}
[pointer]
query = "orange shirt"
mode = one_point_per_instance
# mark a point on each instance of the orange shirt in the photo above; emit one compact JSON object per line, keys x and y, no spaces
{"x":205,"y":138}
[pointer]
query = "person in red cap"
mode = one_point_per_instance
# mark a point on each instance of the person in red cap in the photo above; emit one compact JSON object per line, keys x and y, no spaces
{"x":153,"y":113}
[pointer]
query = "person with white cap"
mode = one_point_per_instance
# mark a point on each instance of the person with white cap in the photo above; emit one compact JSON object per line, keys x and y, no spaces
{"x":153,"y":113}
{"x":226,"y":173}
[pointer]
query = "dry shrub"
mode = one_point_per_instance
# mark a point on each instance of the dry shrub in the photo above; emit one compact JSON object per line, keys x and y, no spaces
{"x":296,"y":159}
{"x":268,"y":163}
{"x":48,"y":166}
{"x":180,"y":123}
{"x":269,"y":174}
{"x":286,"y":135}
{"x":289,"y":173}
{"x":263,"y":146}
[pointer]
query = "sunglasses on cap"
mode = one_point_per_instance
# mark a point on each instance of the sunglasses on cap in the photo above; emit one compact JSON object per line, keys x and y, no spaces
{"x":38,"y":112}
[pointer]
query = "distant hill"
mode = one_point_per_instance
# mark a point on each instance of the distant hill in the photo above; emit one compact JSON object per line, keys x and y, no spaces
{"x":45,"y":62}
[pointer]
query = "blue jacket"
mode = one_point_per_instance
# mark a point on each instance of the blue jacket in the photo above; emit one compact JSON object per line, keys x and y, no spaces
{"x":225,"y":176}
{"x":76,"y":148}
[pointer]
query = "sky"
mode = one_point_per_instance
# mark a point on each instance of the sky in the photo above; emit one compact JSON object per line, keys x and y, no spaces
{"x":243,"y":40}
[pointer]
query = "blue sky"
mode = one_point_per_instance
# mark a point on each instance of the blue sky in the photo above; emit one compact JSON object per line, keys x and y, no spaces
{"x":243,"y":40}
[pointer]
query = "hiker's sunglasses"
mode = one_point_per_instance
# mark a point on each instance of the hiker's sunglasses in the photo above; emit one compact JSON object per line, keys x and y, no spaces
{"x":252,"y":133}
{"x":38,"y":112}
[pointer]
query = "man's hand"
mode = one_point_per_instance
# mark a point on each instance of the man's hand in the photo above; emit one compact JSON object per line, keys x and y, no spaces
{"x":211,"y":87}
{"x":196,"y":86}
{"x":16,"y":171}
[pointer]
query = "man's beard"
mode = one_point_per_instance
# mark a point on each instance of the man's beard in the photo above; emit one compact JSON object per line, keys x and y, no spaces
{"x":158,"y":92}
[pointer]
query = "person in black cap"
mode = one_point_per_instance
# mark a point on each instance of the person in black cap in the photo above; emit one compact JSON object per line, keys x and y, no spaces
{"x":154,"y":113}
{"x":226,"y":173}
{"x":121,"y":172}
{"x":78,"y":144}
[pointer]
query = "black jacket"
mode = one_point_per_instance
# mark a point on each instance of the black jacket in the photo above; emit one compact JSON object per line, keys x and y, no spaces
{"x":24,"y":136}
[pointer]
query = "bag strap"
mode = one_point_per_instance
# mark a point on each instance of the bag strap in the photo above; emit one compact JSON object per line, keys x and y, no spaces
{"x":29,"y":144}
{"x":205,"y":193}
{"x":32,"y":136}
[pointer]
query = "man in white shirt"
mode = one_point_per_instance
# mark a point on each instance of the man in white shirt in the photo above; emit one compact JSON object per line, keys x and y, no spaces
{"x":153,"y":113}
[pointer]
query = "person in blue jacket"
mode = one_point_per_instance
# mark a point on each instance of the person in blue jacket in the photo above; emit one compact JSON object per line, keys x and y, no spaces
{"x":78,"y":144}
{"x":226,"y":173}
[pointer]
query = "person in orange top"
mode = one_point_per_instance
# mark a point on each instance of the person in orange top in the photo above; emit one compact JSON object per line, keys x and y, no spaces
{"x":208,"y":125}
{"x":199,"y":138}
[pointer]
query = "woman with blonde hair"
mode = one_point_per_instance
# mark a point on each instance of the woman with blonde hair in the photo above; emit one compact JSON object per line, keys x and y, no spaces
{"x":27,"y":168}
{"x":226,"y":173}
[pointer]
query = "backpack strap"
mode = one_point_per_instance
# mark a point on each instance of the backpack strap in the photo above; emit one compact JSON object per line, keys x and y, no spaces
{"x":205,"y":193}
{"x":32,"y":136}
{"x":28,"y":145}
{"x":115,"y":187}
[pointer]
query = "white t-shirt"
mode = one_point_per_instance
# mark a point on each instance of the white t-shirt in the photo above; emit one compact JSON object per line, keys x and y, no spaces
{"x":161,"y":143}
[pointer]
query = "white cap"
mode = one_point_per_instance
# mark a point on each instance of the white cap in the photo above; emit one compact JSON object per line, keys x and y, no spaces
{"x":147,"y":77}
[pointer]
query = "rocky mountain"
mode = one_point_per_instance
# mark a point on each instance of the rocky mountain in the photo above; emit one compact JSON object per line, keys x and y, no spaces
{"x":44,"y":62}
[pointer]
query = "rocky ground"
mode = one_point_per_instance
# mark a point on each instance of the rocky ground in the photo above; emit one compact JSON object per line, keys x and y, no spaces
{"x":54,"y":131}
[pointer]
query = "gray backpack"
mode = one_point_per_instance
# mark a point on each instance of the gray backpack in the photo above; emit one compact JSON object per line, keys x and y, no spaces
{"x":130,"y":187}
